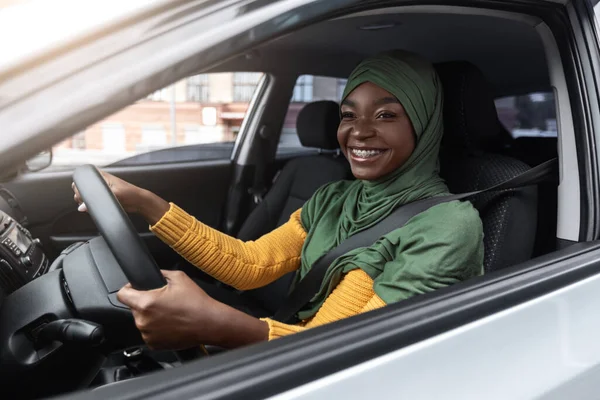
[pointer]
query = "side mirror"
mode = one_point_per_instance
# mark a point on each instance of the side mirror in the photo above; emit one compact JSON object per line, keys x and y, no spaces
{"x":39,"y":162}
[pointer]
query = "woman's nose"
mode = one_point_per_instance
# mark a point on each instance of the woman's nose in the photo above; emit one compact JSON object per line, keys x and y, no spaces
{"x":362,"y":129}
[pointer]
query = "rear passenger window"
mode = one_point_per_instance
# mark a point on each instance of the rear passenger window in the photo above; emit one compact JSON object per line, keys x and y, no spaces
{"x":530,"y":115}
{"x":308,"y":88}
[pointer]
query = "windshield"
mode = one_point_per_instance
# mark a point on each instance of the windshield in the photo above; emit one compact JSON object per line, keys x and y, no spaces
{"x":56,"y":23}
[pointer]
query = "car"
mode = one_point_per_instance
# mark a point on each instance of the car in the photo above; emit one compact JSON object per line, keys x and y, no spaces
{"x":250,"y":89}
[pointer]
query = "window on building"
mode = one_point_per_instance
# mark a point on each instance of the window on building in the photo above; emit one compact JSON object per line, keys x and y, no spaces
{"x":141,"y":133}
{"x":78,"y":141}
{"x":244,"y":84}
{"x":161,"y":95}
{"x":303,"y":90}
{"x":113,"y":138}
{"x":203,"y":134}
{"x":197,"y":88}
{"x":192,"y":135}
{"x":308,"y":88}
{"x":154,"y":137}
{"x":530,"y":115}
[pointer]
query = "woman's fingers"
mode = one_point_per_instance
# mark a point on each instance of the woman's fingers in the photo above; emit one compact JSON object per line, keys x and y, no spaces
{"x":130,"y":297}
{"x":127,"y":194}
{"x":77,"y":198}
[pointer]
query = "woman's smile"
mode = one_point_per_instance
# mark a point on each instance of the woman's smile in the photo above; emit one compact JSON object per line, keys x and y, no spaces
{"x":366,"y":155}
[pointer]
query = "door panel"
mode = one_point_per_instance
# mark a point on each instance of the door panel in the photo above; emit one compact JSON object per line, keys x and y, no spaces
{"x":47,"y":199}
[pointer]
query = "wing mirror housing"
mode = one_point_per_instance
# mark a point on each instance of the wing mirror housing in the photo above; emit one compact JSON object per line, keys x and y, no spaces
{"x":39,"y":162}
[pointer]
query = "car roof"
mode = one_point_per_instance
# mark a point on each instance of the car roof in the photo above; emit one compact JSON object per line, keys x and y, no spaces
{"x":509,"y":51}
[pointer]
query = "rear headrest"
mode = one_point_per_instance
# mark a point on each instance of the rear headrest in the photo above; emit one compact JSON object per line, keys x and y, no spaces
{"x":470,"y":119}
{"x":317,"y":125}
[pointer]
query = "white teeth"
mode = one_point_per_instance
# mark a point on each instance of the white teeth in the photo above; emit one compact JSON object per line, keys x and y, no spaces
{"x":365,"y":153}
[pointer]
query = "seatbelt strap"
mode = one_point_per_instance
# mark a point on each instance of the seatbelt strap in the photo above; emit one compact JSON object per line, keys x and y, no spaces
{"x":259,"y":187}
{"x":308,"y":287}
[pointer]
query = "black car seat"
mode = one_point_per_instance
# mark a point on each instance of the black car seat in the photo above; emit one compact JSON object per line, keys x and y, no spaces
{"x":316,"y":126}
{"x":534,"y":151}
{"x":473,"y":134}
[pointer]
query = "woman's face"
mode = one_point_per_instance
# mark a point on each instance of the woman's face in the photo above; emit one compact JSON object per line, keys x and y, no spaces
{"x":375,"y":133}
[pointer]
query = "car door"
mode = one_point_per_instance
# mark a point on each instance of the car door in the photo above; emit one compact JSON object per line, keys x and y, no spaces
{"x":191,"y":168}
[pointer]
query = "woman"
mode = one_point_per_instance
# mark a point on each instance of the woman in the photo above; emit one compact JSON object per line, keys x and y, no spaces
{"x":390,"y":131}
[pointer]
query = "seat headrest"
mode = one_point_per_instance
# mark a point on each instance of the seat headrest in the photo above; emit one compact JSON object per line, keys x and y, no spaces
{"x":470,"y":119}
{"x":317,"y":125}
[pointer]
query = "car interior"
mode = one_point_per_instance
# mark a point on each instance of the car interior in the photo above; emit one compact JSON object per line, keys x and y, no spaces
{"x":477,"y":150}
{"x":480,"y":55}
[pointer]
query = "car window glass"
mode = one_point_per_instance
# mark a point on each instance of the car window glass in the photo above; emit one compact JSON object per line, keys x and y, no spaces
{"x":532,"y":115}
{"x":308,"y":88}
{"x":205,"y":111}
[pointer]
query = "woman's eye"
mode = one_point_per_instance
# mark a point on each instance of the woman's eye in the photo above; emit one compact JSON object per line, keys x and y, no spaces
{"x":347,"y":115}
{"x":386,"y":115}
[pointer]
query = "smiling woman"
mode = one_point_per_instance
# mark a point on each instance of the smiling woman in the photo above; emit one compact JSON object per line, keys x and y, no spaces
{"x":391,"y":132}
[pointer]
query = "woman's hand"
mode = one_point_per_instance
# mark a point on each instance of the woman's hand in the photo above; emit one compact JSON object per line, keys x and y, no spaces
{"x":133,"y":199}
{"x":128,"y":195}
{"x":181,"y":315}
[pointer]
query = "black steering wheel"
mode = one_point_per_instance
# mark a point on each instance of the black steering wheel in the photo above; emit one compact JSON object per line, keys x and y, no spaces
{"x":118,"y":231}
{"x":121,"y":237}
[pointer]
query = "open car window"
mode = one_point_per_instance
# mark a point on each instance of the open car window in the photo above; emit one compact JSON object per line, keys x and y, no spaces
{"x":204,"y":111}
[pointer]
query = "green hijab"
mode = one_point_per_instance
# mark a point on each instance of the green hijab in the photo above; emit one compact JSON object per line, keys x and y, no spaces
{"x":422,"y":255}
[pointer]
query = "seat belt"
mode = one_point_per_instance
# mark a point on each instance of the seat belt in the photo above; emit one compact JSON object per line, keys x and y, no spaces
{"x":259,"y":188}
{"x":308,"y":287}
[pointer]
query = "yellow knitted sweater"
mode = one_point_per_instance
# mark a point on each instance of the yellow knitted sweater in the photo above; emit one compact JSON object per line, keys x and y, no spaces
{"x":253,"y":264}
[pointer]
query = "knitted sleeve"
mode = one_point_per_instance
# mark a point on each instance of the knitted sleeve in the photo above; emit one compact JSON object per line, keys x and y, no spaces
{"x":353,"y":295}
{"x":243,"y":265}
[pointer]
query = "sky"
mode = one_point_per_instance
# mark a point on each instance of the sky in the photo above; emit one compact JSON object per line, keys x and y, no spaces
{"x":6,"y":3}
